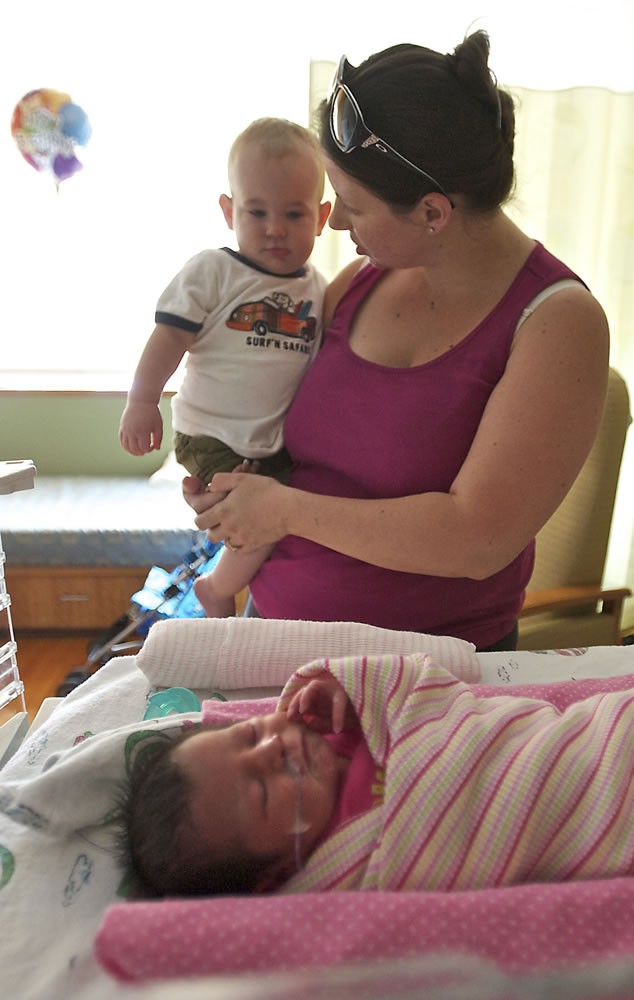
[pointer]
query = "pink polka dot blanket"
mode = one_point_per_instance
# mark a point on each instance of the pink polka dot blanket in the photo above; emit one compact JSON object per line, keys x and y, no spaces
{"x":504,"y":833}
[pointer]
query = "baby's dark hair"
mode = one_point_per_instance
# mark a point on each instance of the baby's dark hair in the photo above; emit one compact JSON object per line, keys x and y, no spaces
{"x":445,"y":113}
{"x":158,"y":845}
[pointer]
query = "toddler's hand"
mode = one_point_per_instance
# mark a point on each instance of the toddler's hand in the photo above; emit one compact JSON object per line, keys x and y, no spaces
{"x":198,"y":496}
{"x":141,"y":428}
{"x":323,"y":705}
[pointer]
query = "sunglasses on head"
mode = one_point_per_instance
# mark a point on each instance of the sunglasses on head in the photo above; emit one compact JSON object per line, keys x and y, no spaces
{"x":349,"y":131}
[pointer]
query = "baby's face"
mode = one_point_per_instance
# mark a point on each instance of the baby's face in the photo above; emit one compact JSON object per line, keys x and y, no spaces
{"x":274,"y":207}
{"x":253,"y":781}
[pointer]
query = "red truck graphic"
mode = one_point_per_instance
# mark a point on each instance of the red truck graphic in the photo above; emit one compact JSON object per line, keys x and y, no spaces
{"x":275,"y":315}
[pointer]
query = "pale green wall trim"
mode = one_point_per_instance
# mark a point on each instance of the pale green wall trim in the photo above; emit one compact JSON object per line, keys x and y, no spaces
{"x":73,"y":433}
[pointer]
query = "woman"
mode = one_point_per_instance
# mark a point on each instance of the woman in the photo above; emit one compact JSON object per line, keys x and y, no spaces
{"x":460,"y":384}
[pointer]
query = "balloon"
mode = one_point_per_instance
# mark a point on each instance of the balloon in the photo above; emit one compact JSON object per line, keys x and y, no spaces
{"x":74,"y":123}
{"x":47,"y":126}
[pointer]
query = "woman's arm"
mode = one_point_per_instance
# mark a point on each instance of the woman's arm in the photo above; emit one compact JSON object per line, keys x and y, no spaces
{"x":534,"y":436}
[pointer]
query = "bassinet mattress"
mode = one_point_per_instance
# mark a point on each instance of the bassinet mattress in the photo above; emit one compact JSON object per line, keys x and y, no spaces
{"x":97,"y":521}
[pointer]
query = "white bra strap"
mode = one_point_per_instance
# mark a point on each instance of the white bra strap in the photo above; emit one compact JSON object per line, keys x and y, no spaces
{"x":542,"y":296}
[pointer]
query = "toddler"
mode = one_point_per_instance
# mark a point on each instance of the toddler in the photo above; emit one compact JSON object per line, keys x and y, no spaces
{"x":249,"y":322}
{"x":387,"y":772}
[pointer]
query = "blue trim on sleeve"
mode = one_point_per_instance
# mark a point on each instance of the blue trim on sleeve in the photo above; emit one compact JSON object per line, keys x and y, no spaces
{"x":168,"y":319}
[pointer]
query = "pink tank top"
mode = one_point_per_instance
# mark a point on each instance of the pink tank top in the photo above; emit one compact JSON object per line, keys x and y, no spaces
{"x":358,"y":429}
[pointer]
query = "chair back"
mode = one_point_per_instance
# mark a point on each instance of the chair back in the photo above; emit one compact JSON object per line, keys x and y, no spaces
{"x":572,"y":546}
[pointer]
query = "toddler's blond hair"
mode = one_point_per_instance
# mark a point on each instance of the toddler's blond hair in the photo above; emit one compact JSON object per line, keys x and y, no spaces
{"x":277,"y":137}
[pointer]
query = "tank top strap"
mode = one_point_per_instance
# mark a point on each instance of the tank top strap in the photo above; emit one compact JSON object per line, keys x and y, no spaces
{"x":363,"y":281}
{"x":540,"y":270}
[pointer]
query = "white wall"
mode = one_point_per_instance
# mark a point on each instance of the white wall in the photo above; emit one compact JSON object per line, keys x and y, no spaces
{"x":166,"y":87}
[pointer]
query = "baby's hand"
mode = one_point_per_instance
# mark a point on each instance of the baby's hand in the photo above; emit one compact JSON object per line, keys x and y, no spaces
{"x":141,"y":428}
{"x":323,"y":705}
{"x":199,"y":497}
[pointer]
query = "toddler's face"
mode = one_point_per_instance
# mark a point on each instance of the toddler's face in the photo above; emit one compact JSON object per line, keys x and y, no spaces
{"x":274,"y":209}
{"x":246,"y":788}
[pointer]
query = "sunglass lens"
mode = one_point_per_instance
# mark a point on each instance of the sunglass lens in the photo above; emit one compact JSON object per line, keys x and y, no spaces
{"x":344,"y":120}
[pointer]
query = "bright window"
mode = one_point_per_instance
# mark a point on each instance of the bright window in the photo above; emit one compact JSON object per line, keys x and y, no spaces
{"x":166,"y":87}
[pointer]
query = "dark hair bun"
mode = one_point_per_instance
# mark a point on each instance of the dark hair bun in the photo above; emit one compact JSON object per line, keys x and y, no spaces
{"x":470,"y":63}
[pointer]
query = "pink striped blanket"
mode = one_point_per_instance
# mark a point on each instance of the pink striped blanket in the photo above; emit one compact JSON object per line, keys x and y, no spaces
{"x":478,"y":792}
{"x":517,"y":775}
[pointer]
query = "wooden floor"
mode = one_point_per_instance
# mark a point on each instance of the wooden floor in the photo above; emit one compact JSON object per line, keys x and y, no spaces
{"x":43,"y":663}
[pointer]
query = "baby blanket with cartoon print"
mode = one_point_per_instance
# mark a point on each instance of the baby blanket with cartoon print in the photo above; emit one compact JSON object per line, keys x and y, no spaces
{"x":58,"y":861}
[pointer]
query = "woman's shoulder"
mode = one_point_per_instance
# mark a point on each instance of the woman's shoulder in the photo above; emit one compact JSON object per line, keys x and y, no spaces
{"x":339,"y":286}
{"x":567,"y":308}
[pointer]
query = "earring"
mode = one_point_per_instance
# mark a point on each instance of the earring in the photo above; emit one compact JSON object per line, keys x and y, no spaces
{"x":431,"y":229}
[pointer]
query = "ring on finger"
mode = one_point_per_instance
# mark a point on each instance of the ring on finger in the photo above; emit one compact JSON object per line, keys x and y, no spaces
{"x":231,"y":546}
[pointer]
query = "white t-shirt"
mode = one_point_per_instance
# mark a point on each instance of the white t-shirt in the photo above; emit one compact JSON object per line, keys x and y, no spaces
{"x":256,"y":334}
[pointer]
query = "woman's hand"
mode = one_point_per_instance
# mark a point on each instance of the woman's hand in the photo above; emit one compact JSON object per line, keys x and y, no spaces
{"x":323,"y":705}
{"x":199,"y":495}
{"x":247,"y":508}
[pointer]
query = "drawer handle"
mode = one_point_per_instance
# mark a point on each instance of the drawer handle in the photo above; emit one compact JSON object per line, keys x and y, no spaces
{"x":74,"y":597}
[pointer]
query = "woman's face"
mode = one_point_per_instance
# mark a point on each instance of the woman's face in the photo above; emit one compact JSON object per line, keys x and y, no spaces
{"x":257,"y":782}
{"x":388,"y":239}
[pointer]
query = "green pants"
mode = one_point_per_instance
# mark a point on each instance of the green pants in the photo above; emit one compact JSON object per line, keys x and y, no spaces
{"x":203,"y":456}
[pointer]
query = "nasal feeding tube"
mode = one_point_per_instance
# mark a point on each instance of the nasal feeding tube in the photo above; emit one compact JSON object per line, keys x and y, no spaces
{"x":300,"y":825}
